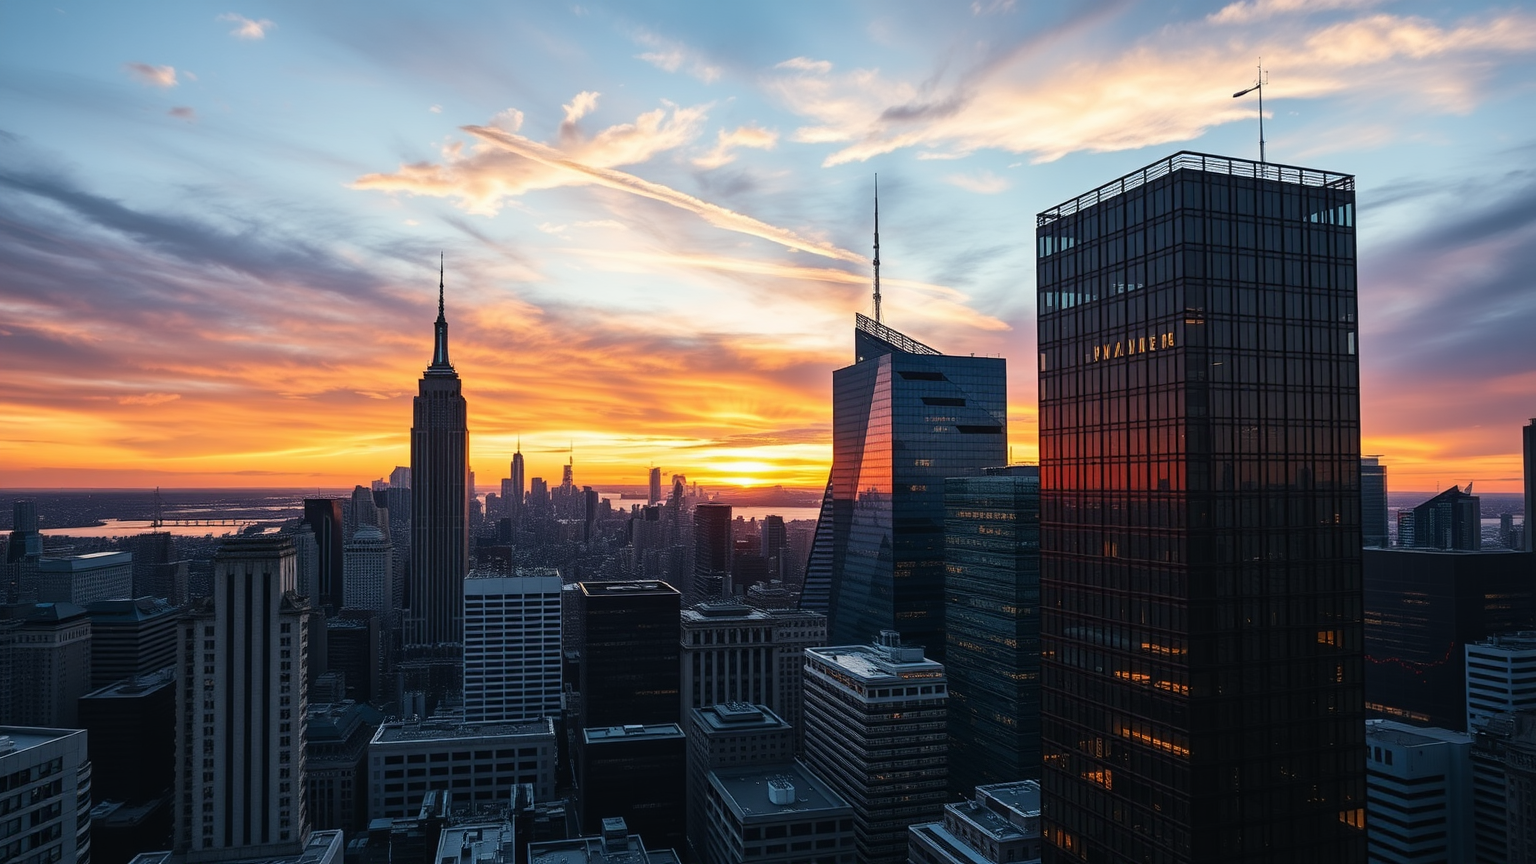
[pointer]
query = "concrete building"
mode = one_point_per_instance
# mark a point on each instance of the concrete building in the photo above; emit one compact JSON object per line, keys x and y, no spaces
{"x":775,"y":814}
{"x":1418,"y":793}
{"x":478,"y":763}
{"x":45,"y":790}
{"x":1504,"y":788}
{"x":323,"y":847}
{"x":1001,"y":825}
{"x":732,"y":735}
{"x":240,"y":709}
{"x":875,"y":731}
{"x":336,"y":764}
{"x":485,"y":843}
{"x":613,"y":845}
{"x":84,"y":579}
{"x":1501,"y":676}
{"x":50,"y":662}
{"x":732,"y":652}
{"x":367,"y":567}
{"x":512,"y":647}
{"x":635,"y":772}
{"x":131,"y":637}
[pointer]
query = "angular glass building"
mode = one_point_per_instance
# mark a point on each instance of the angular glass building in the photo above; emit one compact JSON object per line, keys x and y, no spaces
{"x":1201,"y":632}
{"x":992,"y":626}
{"x":904,"y":418}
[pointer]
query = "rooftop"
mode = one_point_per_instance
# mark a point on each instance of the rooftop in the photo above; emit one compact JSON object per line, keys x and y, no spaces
{"x":1190,"y":160}
{"x":322,"y":846}
{"x":88,"y":561}
{"x":1525,"y":640}
{"x":633,"y":732}
{"x":1403,"y":735}
{"x":133,"y":688}
{"x":398,"y":733}
{"x":737,"y":716}
{"x":490,"y":843}
{"x":1004,"y":811}
{"x":628,"y":588}
{"x":616,"y":846}
{"x":894,"y":338}
{"x":746,"y":791}
{"x":18,"y":739}
{"x":135,"y":609}
{"x":876,"y":664}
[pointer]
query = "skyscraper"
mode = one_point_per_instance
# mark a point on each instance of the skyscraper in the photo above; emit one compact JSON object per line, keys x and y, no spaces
{"x":629,"y":653}
{"x":367,"y":563}
{"x":904,"y":418}
{"x":1450,"y":520}
{"x":1528,"y":439}
{"x":712,"y":548}
{"x":512,"y":647}
{"x":1373,"y":501}
{"x":514,"y":495}
{"x":324,"y":517}
{"x":439,"y":498}
{"x":1200,"y":517}
{"x":240,"y":708}
{"x":655,"y":490}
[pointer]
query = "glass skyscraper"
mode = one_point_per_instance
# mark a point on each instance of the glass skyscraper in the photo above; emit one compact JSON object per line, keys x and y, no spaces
{"x":1201,"y":629}
{"x":904,"y":417}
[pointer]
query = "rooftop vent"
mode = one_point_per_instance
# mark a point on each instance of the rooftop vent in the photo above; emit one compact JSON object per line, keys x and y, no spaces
{"x":781,"y":791}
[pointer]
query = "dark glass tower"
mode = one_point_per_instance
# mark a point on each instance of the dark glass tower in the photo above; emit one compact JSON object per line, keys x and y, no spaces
{"x":992,"y":619}
{"x":323,"y":516}
{"x":439,"y":499}
{"x":1200,"y":518}
{"x":630,"y":653}
{"x":1373,"y":501}
{"x":904,"y":418}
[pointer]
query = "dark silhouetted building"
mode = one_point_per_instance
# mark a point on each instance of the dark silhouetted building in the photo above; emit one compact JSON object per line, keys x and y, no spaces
{"x":1528,"y":441}
{"x":1001,"y":825}
{"x":1422,"y":608}
{"x":635,"y":772}
{"x":992,"y":621}
{"x":479,"y":763}
{"x":439,"y":499}
{"x":629,"y":653}
{"x":1451,"y":520}
{"x":336,"y":765}
{"x":1200,"y":517}
{"x":131,"y":734}
{"x":1504,"y":788}
{"x":354,"y":647}
{"x":324,"y":518}
{"x":130,"y":638}
{"x":712,"y":548}
{"x":654,"y":496}
{"x":904,"y":418}
{"x":1373,"y":501}
{"x":49,"y":648}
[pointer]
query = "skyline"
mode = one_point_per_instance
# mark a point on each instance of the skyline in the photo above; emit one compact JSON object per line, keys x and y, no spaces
{"x":657,"y":222}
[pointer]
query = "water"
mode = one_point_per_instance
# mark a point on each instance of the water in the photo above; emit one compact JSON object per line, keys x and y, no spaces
{"x":131,"y":527}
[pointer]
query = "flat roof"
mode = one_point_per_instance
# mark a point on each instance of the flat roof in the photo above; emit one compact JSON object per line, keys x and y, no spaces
{"x":133,"y":688}
{"x":633,"y":732}
{"x":88,"y":561}
{"x":1403,"y":735}
{"x":874,"y":664}
{"x":738,"y":717}
{"x":401,"y":733}
{"x":24,"y":738}
{"x":628,"y":588}
{"x":745,"y":791}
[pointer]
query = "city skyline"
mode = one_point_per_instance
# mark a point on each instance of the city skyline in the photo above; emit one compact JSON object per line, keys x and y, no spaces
{"x":657,"y":222}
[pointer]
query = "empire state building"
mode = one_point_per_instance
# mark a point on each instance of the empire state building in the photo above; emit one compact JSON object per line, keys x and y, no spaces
{"x":439,"y":498}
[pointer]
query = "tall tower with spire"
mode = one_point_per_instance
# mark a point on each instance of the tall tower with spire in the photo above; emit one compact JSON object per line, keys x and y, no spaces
{"x":439,"y":497}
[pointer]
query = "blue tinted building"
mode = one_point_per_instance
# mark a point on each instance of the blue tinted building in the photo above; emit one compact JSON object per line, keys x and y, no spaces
{"x":904,"y":417}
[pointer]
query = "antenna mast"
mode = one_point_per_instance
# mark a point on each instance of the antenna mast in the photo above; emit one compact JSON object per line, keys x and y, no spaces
{"x":877,"y":249}
{"x":1259,"y":86}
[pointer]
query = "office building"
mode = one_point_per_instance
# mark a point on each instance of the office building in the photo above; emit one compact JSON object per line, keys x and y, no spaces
{"x":712,"y":552}
{"x":1504,"y":788}
{"x":1501,"y":676}
{"x":25,"y":540}
{"x":336,"y":765}
{"x":486,"y":843}
{"x":875,"y":731}
{"x":775,"y":814}
{"x":904,"y":418}
{"x":614,"y":845}
{"x":45,"y":781}
{"x":1001,"y":825}
{"x":243,"y":655}
{"x":992,"y":622}
{"x":50,"y":662}
{"x":629,"y":653}
{"x":355,"y":651}
{"x":732,"y":652}
{"x":366,"y":565}
{"x":1422,"y":608}
{"x":439,"y":498}
{"x":324,"y":518}
{"x":655,"y":487}
{"x":1200,"y":517}
{"x":512,"y":646}
{"x":130,"y":638}
{"x":775,"y":546}
{"x":84,"y":579}
{"x":1373,"y":501}
{"x":131,"y":735}
{"x":1450,"y":520}
{"x":732,"y":735}
{"x":1418,"y":793}
{"x":478,"y":763}
{"x":155,"y":567}
{"x":635,"y":772}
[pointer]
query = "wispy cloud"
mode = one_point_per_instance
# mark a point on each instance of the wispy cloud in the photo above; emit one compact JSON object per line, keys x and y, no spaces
{"x":154,"y":76}
{"x":1247,"y":11}
{"x":148,"y":399}
{"x":806,"y":64}
{"x":982,"y":182}
{"x":726,"y":144}
{"x":245,"y":28}
{"x":670,"y":56}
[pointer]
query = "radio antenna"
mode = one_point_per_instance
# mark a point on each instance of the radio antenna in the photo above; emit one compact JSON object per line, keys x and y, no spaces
{"x":1259,"y":86}
{"x":877,"y":249}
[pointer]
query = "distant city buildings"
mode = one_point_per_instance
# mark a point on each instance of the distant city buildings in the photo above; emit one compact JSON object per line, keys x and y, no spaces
{"x":1450,"y":520}
{"x":1373,"y":501}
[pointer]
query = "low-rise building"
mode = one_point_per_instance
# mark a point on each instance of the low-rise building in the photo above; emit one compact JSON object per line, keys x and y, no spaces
{"x":775,"y":814}
{"x":612,"y":845}
{"x":478,"y":763}
{"x":1001,"y":825}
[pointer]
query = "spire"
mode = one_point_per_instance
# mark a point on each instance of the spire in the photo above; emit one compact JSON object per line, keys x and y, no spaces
{"x":440,"y":342}
{"x":877,"y":249}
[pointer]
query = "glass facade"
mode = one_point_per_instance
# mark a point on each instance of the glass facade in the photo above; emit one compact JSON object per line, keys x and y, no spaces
{"x":904,"y":417}
{"x":1373,"y":501}
{"x":992,"y":626}
{"x":1201,"y":631}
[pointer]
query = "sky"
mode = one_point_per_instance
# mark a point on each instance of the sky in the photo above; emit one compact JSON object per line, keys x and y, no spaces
{"x":220,"y":224}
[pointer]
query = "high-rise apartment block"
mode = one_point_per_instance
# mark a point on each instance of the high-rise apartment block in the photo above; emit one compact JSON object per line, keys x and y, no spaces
{"x":240,"y":708}
{"x":439,"y":498}
{"x":629,"y":653}
{"x":736,"y":653}
{"x":1422,"y":608}
{"x":1200,"y":517}
{"x":512,"y":647}
{"x":1419,"y":793}
{"x":904,"y":418}
{"x":1373,"y":501}
{"x":45,"y":785}
{"x":875,"y":731}
{"x":992,"y":619}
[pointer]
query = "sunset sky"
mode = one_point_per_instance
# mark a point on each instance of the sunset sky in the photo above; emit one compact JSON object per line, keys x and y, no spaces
{"x":220,"y":225}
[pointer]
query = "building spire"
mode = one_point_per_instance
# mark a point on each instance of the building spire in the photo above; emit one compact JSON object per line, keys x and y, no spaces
{"x":877,"y":249}
{"x":440,"y":340}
